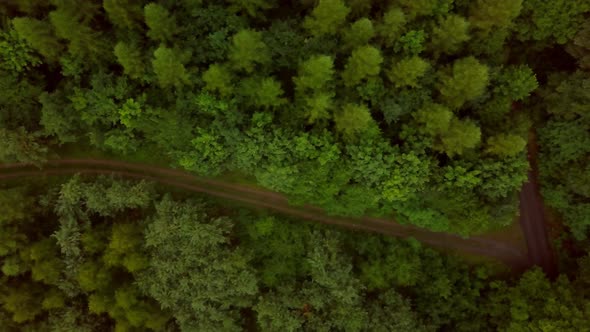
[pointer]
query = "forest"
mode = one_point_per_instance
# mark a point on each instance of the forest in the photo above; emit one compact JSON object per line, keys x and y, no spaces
{"x":432,"y":113}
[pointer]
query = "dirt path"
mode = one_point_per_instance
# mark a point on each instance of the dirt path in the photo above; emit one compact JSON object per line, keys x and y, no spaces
{"x":481,"y":246}
{"x":532,"y":222}
{"x":532,"y":218}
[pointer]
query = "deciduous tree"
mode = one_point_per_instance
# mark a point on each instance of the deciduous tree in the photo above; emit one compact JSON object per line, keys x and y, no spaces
{"x":468,"y":81}
{"x":327,"y":17}
{"x":169,"y":67}
{"x":364,"y":62}
{"x":247,"y":50}
{"x":353,"y":119}
{"x":161,"y":24}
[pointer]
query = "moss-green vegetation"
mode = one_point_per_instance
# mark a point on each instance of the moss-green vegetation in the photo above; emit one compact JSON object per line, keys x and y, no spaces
{"x":93,"y":254}
{"x":414,"y":109}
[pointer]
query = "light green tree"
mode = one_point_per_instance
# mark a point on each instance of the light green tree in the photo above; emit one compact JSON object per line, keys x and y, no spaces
{"x":318,"y":106}
{"x":16,"y":54}
{"x":125,"y":14}
{"x":72,"y":23}
{"x":505,"y":145}
{"x":408,"y":71}
{"x":125,"y":247}
{"x":162,"y":25}
{"x":359,"y":33}
{"x":516,"y":83}
{"x":449,"y":34}
{"x":263,"y":92}
{"x":461,"y":135}
{"x":468,"y":81}
{"x":39,"y":34}
{"x":130,"y":57}
{"x":488,"y":14}
{"x":314,"y":73}
{"x":168,"y":65}
{"x":556,"y":20}
{"x":23,"y":301}
{"x":247,"y":50}
{"x":218,"y":78}
{"x":352,"y":119}
{"x":435,"y":119}
{"x":411,"y":43}
{"x":327,"y":17}
{"x":364,"y":62}
{"x":391,"y":26}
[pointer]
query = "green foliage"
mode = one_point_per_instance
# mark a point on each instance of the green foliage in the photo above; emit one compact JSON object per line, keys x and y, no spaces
{"x":461,"y":135}
{"x":536,"y":304}
{"x":39,"y":34}
{"x":169,"y":67}
{"x":125,"y":14}
{"x":411,"y":43}
{"x":486,"y":15}
{"x":468,"y":81}
{"x":425,"y":7}
{"x":449,"y":35}
{"x":72,"y":23}
{"x":218,"y":78}
{"x":183,"y":243}
{"x":435,"y":119}
{"x":16,"y":55}
{"x":23,"y":302}
{"x":130,"y":57}
{"x":580,"y":45}
{"x":556,"y":20}
{"x":353,"y":119}
{"x":264,"y":92}
{"x":318,"y":106}
{"x":124,"y":248}
{"x":564,"y":151}
{"x":21,"y":146}
{"x":517,"y":83}
{"x":161,"y":24}
{"x":412,"y":108}
{"x":392,"y":26}
{"x":207,"y":155}
{"x":364,"y":62}
{"x":505,"y":145}
{"x":251,"y":7}
{"x":314,"y":74}
{"x":247,"y":50}
{"x":359,"y":33}
{"x":206,"y":269}
{"x":408,"y":71}
{"x":327,"y":17}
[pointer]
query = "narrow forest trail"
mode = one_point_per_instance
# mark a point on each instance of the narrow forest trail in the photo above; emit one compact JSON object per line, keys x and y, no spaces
{"x":507,"y":253}
{"x":532,"y":218}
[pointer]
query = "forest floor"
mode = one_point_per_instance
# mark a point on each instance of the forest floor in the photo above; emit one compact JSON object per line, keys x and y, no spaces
{"x":498,"y":248}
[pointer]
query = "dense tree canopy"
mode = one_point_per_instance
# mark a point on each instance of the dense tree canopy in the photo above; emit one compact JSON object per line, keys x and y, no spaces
{"x":106,"y":254}
{"x":295,"y":93}
{"x":418,"y":110}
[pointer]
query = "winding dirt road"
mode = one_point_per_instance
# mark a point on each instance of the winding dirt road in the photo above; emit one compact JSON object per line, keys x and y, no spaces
{"x":507,"y":253}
